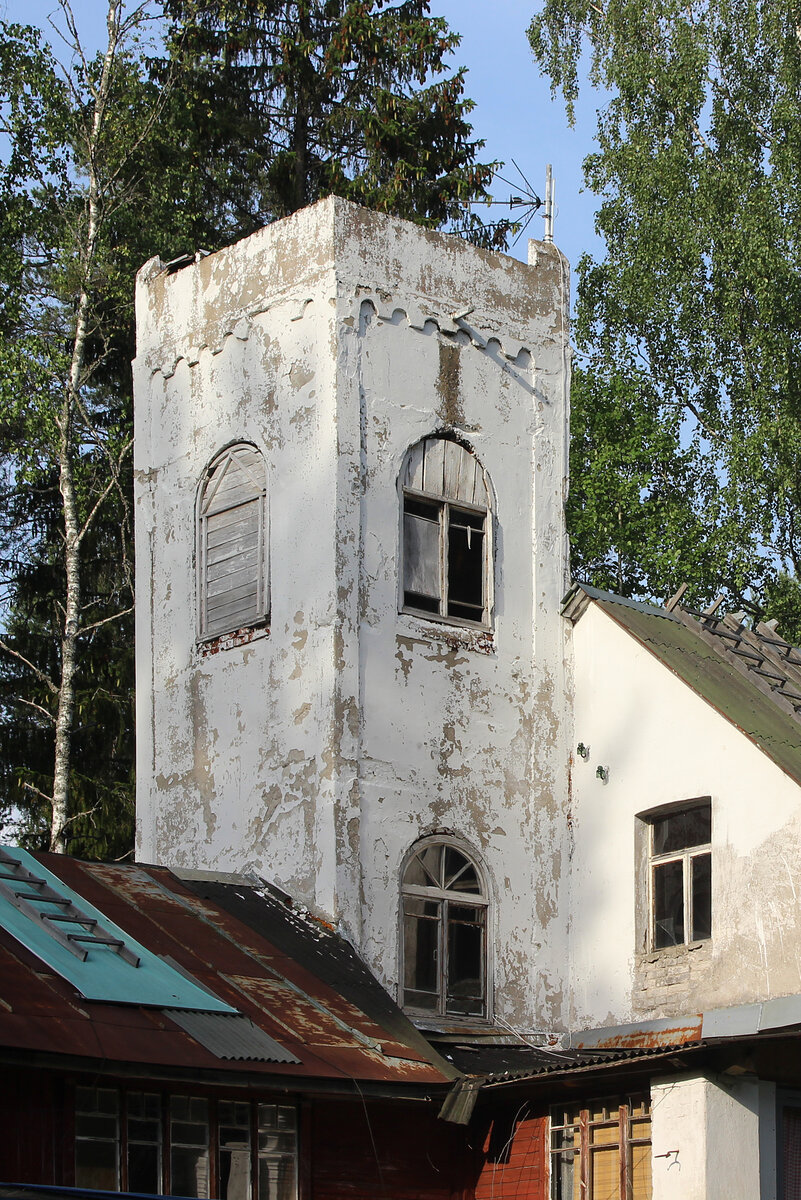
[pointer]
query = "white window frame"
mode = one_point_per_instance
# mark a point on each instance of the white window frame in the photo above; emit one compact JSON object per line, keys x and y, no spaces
{"x":286,"y":1124}
{"x":446,"y":896}
{"x":204,"y":511}
{"x":685,"y":855}
{"x":447,"y":505}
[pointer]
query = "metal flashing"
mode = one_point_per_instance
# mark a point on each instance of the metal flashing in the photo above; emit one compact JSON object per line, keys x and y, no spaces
{"x":140,"y":978}
{"x":573,"y":608}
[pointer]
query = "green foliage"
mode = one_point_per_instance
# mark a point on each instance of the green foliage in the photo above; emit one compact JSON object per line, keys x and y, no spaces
{"x":247,"y":110}
{"x":281,"y":103}
{"x":688,"y":327}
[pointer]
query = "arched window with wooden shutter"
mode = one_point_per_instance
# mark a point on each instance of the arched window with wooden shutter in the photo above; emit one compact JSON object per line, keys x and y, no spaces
{"x":233,"y":582}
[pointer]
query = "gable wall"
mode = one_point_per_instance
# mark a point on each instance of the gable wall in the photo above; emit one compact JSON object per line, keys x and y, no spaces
{"x":662,"y":743}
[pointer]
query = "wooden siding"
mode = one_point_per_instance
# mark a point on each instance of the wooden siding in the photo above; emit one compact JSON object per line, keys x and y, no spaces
{"x":515,"y":1159}
{"x":373,"y":1150}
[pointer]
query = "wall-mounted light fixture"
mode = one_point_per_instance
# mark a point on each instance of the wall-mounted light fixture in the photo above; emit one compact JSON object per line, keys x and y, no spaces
{"x":602,"y":773}
{"x":583,"y":751}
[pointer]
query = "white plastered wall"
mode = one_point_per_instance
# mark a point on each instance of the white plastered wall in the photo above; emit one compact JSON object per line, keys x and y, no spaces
{"x":662,"y":744}
{"x":317,"y":754}
{"x":707,"y":1141}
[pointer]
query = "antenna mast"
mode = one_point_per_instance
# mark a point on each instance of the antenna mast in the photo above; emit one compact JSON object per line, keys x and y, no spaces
{"x":548,"y":214}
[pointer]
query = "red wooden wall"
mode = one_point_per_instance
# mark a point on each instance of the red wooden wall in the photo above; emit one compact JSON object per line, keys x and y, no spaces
{"x":515,"y":1158}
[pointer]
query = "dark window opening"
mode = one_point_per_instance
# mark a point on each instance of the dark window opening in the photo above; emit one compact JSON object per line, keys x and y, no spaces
{"x":444,"y":933}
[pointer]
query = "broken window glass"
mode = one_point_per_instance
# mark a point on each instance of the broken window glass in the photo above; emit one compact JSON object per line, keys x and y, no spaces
{"x":445,"y":527}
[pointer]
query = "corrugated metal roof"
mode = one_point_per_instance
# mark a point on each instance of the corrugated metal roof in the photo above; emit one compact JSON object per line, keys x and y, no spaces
{"x":232,"y":1037}
{"x":751,"y":676}
{"x":101,"y":973}
{"x":301,"y":984}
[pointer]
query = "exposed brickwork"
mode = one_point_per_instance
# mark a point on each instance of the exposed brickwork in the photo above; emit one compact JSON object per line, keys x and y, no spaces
{"x":665,"y":980}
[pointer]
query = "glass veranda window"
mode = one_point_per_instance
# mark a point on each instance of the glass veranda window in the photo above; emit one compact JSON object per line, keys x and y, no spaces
{"x":444,"y":933}
{"x":445,"y":533}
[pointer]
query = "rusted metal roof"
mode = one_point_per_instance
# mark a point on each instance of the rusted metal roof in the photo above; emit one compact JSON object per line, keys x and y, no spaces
{"x":318,"y":1013}
{"x":751,"y":676}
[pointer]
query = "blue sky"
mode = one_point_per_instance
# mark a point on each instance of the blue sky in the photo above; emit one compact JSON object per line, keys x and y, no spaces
{"x":514,"y":111}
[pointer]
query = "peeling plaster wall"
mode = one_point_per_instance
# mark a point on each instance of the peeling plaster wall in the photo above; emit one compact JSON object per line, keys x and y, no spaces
{"x":317,"y":752}
{"x":662,"y":743}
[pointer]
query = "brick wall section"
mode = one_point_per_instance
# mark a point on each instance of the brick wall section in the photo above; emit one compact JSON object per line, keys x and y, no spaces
{"x":515,"y":1158}
{"x":666,"y":980}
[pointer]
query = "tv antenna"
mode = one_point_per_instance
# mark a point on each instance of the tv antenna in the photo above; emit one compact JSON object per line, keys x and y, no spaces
{"x":525,"y":197}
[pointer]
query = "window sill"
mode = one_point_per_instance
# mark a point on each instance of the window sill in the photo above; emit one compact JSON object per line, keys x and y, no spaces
{"x":230,"y":641}
{"x":675,"y":954}
{"x":451,"y":632}
{"x":452,"y":1024}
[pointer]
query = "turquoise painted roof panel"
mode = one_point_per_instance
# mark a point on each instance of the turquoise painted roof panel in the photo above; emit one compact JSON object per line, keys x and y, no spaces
{"x":103,"y":975}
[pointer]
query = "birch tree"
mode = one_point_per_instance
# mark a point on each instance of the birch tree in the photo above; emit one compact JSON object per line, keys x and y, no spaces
{"x":67,"y":175}
{"x":237,"y":113}
{"x":687,"y":406}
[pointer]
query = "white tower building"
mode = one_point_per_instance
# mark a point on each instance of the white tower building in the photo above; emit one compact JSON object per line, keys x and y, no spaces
{"x":351,"y":439}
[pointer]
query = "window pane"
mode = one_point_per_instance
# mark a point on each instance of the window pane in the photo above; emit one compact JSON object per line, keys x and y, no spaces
{"x":144,"y":1141}
{"x":677,"y":831}
{"x":466,"y":565}
{"x":421,"y":949}
{"x":565,"y":1176}
{"x":668,"y":904}
{"x":605,"y":1174}
{"x":425,"y":869}
{"x":701,"y":875}
{"x":234,"y":1159}
{"x":190,"y":1172}
{"x":460,"y":874}
{"x":277,"y":1152}
{"x":189,"y":1159}
{"x":421,"y":554}
{"x":96,"y":1165}
{"x":96,"y":1138}
{"x":277,"y":1179}
{"x":144,"y":1168}
{"x":465,"y":960}
{"x":641,"y":1173}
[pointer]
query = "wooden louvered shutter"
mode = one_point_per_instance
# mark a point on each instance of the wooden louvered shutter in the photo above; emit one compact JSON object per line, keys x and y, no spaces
{"x":233,"y":591}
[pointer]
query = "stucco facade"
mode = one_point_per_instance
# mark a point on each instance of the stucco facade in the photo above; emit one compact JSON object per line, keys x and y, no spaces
{"x":318,"y":748}
{"x":663,"y":744}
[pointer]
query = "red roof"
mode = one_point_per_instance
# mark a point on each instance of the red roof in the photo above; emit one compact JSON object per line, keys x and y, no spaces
{"x":298,"y":981}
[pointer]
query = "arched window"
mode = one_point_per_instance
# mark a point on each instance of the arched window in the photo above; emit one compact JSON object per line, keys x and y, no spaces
{"x":446,"y":533}
{"x":232,"y":568}
{"x":444,"y":932}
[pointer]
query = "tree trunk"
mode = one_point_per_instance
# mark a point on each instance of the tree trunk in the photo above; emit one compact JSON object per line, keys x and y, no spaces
{"x":73,"y":531}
